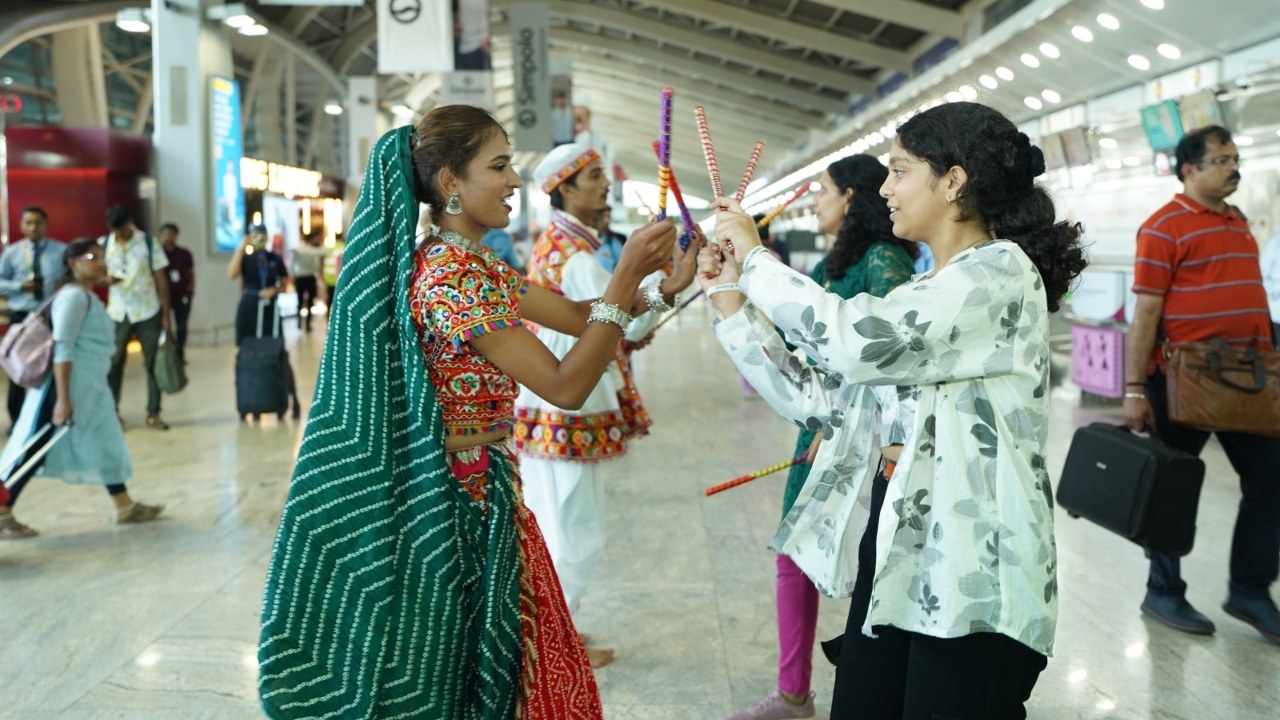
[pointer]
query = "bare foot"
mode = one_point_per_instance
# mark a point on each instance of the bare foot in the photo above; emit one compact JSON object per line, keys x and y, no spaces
{"x":599,"y":658}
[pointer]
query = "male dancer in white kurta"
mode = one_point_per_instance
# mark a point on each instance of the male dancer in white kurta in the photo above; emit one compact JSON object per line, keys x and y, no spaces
{"x":560,"y":449}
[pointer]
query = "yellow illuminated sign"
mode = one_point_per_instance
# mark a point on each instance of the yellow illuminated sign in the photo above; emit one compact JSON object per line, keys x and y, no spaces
{"x":290,"y":182}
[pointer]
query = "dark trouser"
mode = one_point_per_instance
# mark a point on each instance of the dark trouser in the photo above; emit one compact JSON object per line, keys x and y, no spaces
{"x":148,"y":334}
{"x":44,"y":417}
{"x":906,"y":675}
{"x":1255,"y":547}
{"x":181,"y":316}
{"x":17,"y":393}
{"x":306,"y":287}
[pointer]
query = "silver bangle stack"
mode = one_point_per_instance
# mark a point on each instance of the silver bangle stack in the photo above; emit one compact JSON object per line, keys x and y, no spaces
{"x":602,"y":311}
{"x":653,"y":295}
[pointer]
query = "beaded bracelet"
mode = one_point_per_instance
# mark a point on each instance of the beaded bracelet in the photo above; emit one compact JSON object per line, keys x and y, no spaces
{"x":602,"y":311}
{"x":653,"y":295}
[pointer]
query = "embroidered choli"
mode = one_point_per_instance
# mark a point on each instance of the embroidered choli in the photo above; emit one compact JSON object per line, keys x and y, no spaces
{"x":965,"y":541}
{"x":457,"y":295}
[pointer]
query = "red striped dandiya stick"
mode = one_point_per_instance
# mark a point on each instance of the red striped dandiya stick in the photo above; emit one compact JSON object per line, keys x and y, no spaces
{"x":708,"y":151}
{"x":799,"y":459}
{"x":751,"y":170}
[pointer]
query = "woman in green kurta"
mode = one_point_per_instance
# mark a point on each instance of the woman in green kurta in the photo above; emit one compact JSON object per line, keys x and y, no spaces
{"x":864,"y":258}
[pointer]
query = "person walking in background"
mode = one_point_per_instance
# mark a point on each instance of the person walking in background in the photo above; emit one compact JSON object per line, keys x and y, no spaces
{"x":138,"y":301}
{"x":610,"y":242}
{"x":26,"y":268}
{"x":182,"y":285}
{"x":1197,"y":278}
{"x":499,"y":241}
{"x":94,"y":450}
{"x":261,"y":273}
{"x":308,"y":260}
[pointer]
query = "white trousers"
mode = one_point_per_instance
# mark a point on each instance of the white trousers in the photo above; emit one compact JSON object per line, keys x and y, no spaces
{"x":567,"y":499}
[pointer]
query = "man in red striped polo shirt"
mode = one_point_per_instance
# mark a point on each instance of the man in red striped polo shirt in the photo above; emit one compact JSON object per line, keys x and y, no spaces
{"x":1197,"y":275}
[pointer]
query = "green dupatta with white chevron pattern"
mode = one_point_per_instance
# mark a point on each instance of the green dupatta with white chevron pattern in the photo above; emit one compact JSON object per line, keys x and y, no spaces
{"x":389,"y":594}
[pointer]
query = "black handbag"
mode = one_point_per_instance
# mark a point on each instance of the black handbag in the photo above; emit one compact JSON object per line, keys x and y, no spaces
{"x":1135,"y":486}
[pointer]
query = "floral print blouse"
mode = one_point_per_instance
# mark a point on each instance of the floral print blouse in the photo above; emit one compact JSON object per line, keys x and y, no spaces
{"x":965,"y":543}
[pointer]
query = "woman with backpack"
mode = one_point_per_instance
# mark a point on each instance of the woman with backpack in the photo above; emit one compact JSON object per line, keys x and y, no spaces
{"x":93,"y":451}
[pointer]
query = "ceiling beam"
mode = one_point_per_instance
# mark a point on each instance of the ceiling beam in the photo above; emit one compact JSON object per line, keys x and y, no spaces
{"x":917,"y":15}
{"x":712,"y":45}
{"x":19,"y":26}
{"x":357,"y":40}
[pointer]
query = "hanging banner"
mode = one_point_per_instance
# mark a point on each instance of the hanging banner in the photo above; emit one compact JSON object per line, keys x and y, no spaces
{"x":561,"y":102}
{"x":348,"y":3}
{"x":471,"y":49}
{"x":415,"y":36}
{"x":469,"y":87}
{"x":531,"y":59}
{"x":228,"y":148}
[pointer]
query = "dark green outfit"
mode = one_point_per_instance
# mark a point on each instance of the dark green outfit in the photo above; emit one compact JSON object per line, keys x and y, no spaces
{"x":884,"y":267}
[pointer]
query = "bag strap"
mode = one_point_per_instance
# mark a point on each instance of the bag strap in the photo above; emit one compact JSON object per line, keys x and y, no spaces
{"x":1215,"y":365}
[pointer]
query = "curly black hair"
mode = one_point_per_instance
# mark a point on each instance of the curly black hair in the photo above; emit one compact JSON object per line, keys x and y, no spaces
{"x":866,"y":221}
{"x":1002,"y":165}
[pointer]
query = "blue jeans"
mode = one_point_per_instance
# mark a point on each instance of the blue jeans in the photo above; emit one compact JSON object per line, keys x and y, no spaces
{"x":1255,"y":546}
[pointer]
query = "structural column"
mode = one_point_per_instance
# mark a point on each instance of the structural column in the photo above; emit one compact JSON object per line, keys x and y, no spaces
{"x":78,"y":75}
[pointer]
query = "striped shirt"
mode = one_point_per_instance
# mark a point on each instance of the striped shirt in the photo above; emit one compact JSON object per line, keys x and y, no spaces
{"x":1205,"y":265}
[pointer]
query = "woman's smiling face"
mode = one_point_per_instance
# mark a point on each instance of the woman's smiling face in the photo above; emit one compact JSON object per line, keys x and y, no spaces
{"x":917,"y":201}
{"x":490,"y":182}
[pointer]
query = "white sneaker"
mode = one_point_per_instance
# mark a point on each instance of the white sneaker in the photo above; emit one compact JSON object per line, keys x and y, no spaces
{"x":776,"y":707}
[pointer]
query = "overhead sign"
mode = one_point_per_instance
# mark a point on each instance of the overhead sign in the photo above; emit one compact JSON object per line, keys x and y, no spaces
{"x":531,"y":66}
{"x":291,"y":182}
{"x":228,"y":148}
{"x":348,"y":3}
{"x":415,"y":36}
{"x":469,"y":87}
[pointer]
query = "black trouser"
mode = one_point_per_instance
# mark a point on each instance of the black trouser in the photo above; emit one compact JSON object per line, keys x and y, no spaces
{"x":905,"y":675}
{"x":148,"y":334}
{"x":43,"y":417}
{"x":17,"y":393}
{"x":181,"y":316}
{"x":306,"y":287}
{"x":1255,"y":547}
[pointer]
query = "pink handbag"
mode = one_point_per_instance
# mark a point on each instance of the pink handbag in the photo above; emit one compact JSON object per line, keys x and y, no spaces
{"x":26,"y":352}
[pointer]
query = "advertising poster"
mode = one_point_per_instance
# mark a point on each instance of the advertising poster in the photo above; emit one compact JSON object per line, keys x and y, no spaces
{"x":228,"y":147}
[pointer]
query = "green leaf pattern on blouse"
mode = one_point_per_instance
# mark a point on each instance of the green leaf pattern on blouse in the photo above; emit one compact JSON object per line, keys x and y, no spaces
{"x":965,"y":543}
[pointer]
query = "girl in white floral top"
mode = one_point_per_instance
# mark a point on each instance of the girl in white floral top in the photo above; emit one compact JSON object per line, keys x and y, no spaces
{"x":960,"y":616}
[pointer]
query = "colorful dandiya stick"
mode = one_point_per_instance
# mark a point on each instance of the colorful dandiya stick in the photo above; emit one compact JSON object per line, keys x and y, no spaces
{"x":774,"y":213}
{"x":685,"y":216}
{"x":708,"y":151}
{"x":797,"y":460}
{"x":751,"y":170}
{"x":664,"y":153}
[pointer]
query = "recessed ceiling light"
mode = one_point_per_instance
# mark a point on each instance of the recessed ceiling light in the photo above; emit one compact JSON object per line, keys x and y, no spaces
{"x":333,"y":108}
{"x":1033,"y":103}
{"x":1139,"y":62}
{"x":1132,"y":161}
{"x":1170,"y":51}
{"x":1243,"y":140}
{"x":1052,"y":96}
{"x":1004,"y":73}
{"x":1050,"y":50}
{"x":988,"y":82}
{"x":240,"y":21}
{"x":1114,"y":164}
{"x":953,"y":96}
{"x":969,"y":92}
{"x":253,"y":30}
{"x":1108,"y":21}
{"x":402,"y":111}
{"x":1154,"y":4}
{"x":1030,"y":60}
{"x":1082,"y":33}
{"x":134,"y":20}
{"x":1108,"y":143}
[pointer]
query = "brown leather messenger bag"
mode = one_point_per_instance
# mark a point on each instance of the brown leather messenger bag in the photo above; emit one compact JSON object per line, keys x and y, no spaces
{"x":1214,"y":387}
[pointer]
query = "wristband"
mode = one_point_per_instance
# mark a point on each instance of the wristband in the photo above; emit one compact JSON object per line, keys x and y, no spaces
{"x":602,"y":311}
{"x":754,"y":251}
{"x":653,"y":295}
{"x":723,"y":287}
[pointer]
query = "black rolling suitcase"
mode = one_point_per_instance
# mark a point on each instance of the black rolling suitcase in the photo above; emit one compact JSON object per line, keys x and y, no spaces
{"x":1137,"y":487}
{"x":264,"y":379}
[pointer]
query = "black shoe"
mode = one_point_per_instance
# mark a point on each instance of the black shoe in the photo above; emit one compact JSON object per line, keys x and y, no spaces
{"x":1177,"y":613}
{"x":1261,"y":614}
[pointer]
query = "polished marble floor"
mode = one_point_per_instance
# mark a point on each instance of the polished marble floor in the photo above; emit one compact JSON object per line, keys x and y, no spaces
{"x":159,"y":622}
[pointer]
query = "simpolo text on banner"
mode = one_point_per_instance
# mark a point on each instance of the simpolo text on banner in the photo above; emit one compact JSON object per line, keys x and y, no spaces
{"x":415,"y":36}
{"x":530,"y":31}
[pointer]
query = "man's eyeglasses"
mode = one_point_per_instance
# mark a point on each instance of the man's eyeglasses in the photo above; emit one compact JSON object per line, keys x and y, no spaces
{"x":1224,"y":161}
{"x":90,"y":256}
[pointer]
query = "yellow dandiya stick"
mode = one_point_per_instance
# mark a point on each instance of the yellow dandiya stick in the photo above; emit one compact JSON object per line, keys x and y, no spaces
{"x":799,"y":459}
{"x":708,"y":151}
{"x":751,"y":170}
{"x":774,"y":213}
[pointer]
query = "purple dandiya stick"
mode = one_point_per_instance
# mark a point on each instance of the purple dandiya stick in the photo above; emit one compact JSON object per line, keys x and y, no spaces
{"x":751,"y":169}
{"x":664,"y":153}
{"x":685,"y":216}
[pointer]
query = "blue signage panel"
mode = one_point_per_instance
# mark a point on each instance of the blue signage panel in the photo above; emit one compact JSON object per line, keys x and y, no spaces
{"x":228,"y":148}
{"x":1163,"y":124}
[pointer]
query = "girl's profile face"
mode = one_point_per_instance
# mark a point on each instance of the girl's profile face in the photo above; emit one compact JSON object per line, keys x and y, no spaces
{"x":917,"y":200}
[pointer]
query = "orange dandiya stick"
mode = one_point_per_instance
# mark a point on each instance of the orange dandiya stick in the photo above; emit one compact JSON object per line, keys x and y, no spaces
{"x":751,"y":170}
{"x":774,"y":213}
{"x":799,"y":459}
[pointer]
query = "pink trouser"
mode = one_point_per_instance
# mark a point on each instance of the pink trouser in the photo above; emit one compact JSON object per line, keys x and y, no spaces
{"x":797,"y":623}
